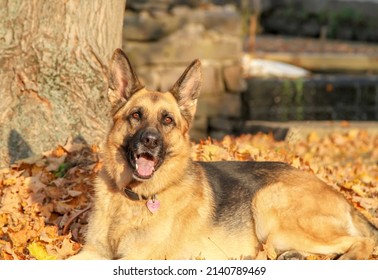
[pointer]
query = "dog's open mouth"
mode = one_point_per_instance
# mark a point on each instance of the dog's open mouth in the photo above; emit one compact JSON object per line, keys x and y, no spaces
{"x":145,"y":165}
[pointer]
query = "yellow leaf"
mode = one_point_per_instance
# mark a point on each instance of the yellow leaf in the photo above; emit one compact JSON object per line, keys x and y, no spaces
{"x":10,"y":181}
{"x":353,"y":133}
{"x":39,"y":252}
{"x":296,"y":162}
{"x":3,"y":219}
{"x":313,"y":137}
{"x":358,"y":190}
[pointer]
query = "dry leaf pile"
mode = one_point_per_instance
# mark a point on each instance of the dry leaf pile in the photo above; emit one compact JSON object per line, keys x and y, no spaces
{"x":39,"y":196}
{"x":44,"y":201}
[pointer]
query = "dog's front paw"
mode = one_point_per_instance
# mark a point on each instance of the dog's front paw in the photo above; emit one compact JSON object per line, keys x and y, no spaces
{"x":291,"y":255}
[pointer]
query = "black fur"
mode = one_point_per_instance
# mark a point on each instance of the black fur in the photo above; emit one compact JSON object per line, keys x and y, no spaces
{"x":233,"y":187}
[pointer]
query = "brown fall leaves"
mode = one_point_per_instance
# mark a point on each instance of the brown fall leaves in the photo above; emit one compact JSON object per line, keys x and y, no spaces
{"x":38,"y":197}
{"x":44,"y":201}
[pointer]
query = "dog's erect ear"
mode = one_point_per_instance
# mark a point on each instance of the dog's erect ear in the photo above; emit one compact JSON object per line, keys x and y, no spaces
{"x":187,"y":89}
{"x":123,"y":82}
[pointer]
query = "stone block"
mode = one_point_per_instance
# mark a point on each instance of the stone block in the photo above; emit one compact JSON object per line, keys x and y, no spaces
{"x":191,"y":42}
{"x":225,"y":19}
{"x":153,"y":5}
{"x":212,"y":83}
{"x":221,"y":124}
{"x":230,"y":105}
{"x":144,"y":26}
{"x":149,"y":77}
{"x":233,"y":77}
{"x":168,"y":75}
{"x":200,"y":128}
{"x":208,"y":106}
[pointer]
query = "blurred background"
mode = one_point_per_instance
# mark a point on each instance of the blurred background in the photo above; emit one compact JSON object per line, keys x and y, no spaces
{"x":274,"y":66}
{"x":263,"y":60}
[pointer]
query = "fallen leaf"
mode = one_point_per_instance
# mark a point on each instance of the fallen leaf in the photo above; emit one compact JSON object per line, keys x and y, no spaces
{"x":40,"y":194}
{"x":39,"y":252}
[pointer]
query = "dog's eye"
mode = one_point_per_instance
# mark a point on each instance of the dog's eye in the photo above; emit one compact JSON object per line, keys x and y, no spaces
{"x":167,"y":120}
{"x":136,"y":116}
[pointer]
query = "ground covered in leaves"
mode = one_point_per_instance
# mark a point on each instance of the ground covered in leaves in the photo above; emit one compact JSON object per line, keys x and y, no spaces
{"x":44,"y":200}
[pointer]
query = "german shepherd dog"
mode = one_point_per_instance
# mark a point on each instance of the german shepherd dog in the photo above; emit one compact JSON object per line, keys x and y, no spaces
{"x":152,"y":201}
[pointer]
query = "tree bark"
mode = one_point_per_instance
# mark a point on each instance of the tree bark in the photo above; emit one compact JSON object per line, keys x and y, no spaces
{"x":53,"y":64}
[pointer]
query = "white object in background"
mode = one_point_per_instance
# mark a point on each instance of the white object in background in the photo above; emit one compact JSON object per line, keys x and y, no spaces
{"x":255,"y":67}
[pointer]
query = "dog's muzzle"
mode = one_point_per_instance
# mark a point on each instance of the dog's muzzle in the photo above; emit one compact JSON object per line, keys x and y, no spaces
{"x":146,"y":153}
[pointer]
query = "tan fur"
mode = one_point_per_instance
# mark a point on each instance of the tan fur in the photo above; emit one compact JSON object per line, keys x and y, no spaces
{"x":320,"y":222}
{"x":202,"y":214}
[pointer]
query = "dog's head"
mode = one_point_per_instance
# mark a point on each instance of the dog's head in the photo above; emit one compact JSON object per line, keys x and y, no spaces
{"x":149,"y":137}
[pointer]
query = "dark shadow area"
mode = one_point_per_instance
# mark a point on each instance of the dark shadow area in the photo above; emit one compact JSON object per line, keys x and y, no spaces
{"x":80,"y":140}
{"x":279,"y":132}
{"x":18,"y":148}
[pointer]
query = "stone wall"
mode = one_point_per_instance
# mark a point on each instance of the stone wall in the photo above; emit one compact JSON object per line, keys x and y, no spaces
{"x":316,"y":98}
{"x":162,"y":38}
{"x":336,"y":19}
{"x":319,"y":97}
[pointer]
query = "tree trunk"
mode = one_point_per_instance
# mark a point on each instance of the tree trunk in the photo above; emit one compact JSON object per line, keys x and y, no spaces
{"x":53,"y":63}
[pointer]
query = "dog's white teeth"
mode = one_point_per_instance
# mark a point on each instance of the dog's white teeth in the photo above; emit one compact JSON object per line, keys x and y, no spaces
{"x":136,"y":166}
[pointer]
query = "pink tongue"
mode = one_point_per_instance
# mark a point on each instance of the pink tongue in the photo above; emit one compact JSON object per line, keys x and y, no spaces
{"x":145,"y":167}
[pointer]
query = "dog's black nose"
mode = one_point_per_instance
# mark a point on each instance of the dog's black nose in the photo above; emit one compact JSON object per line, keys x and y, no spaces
{"x":150,"y":138}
